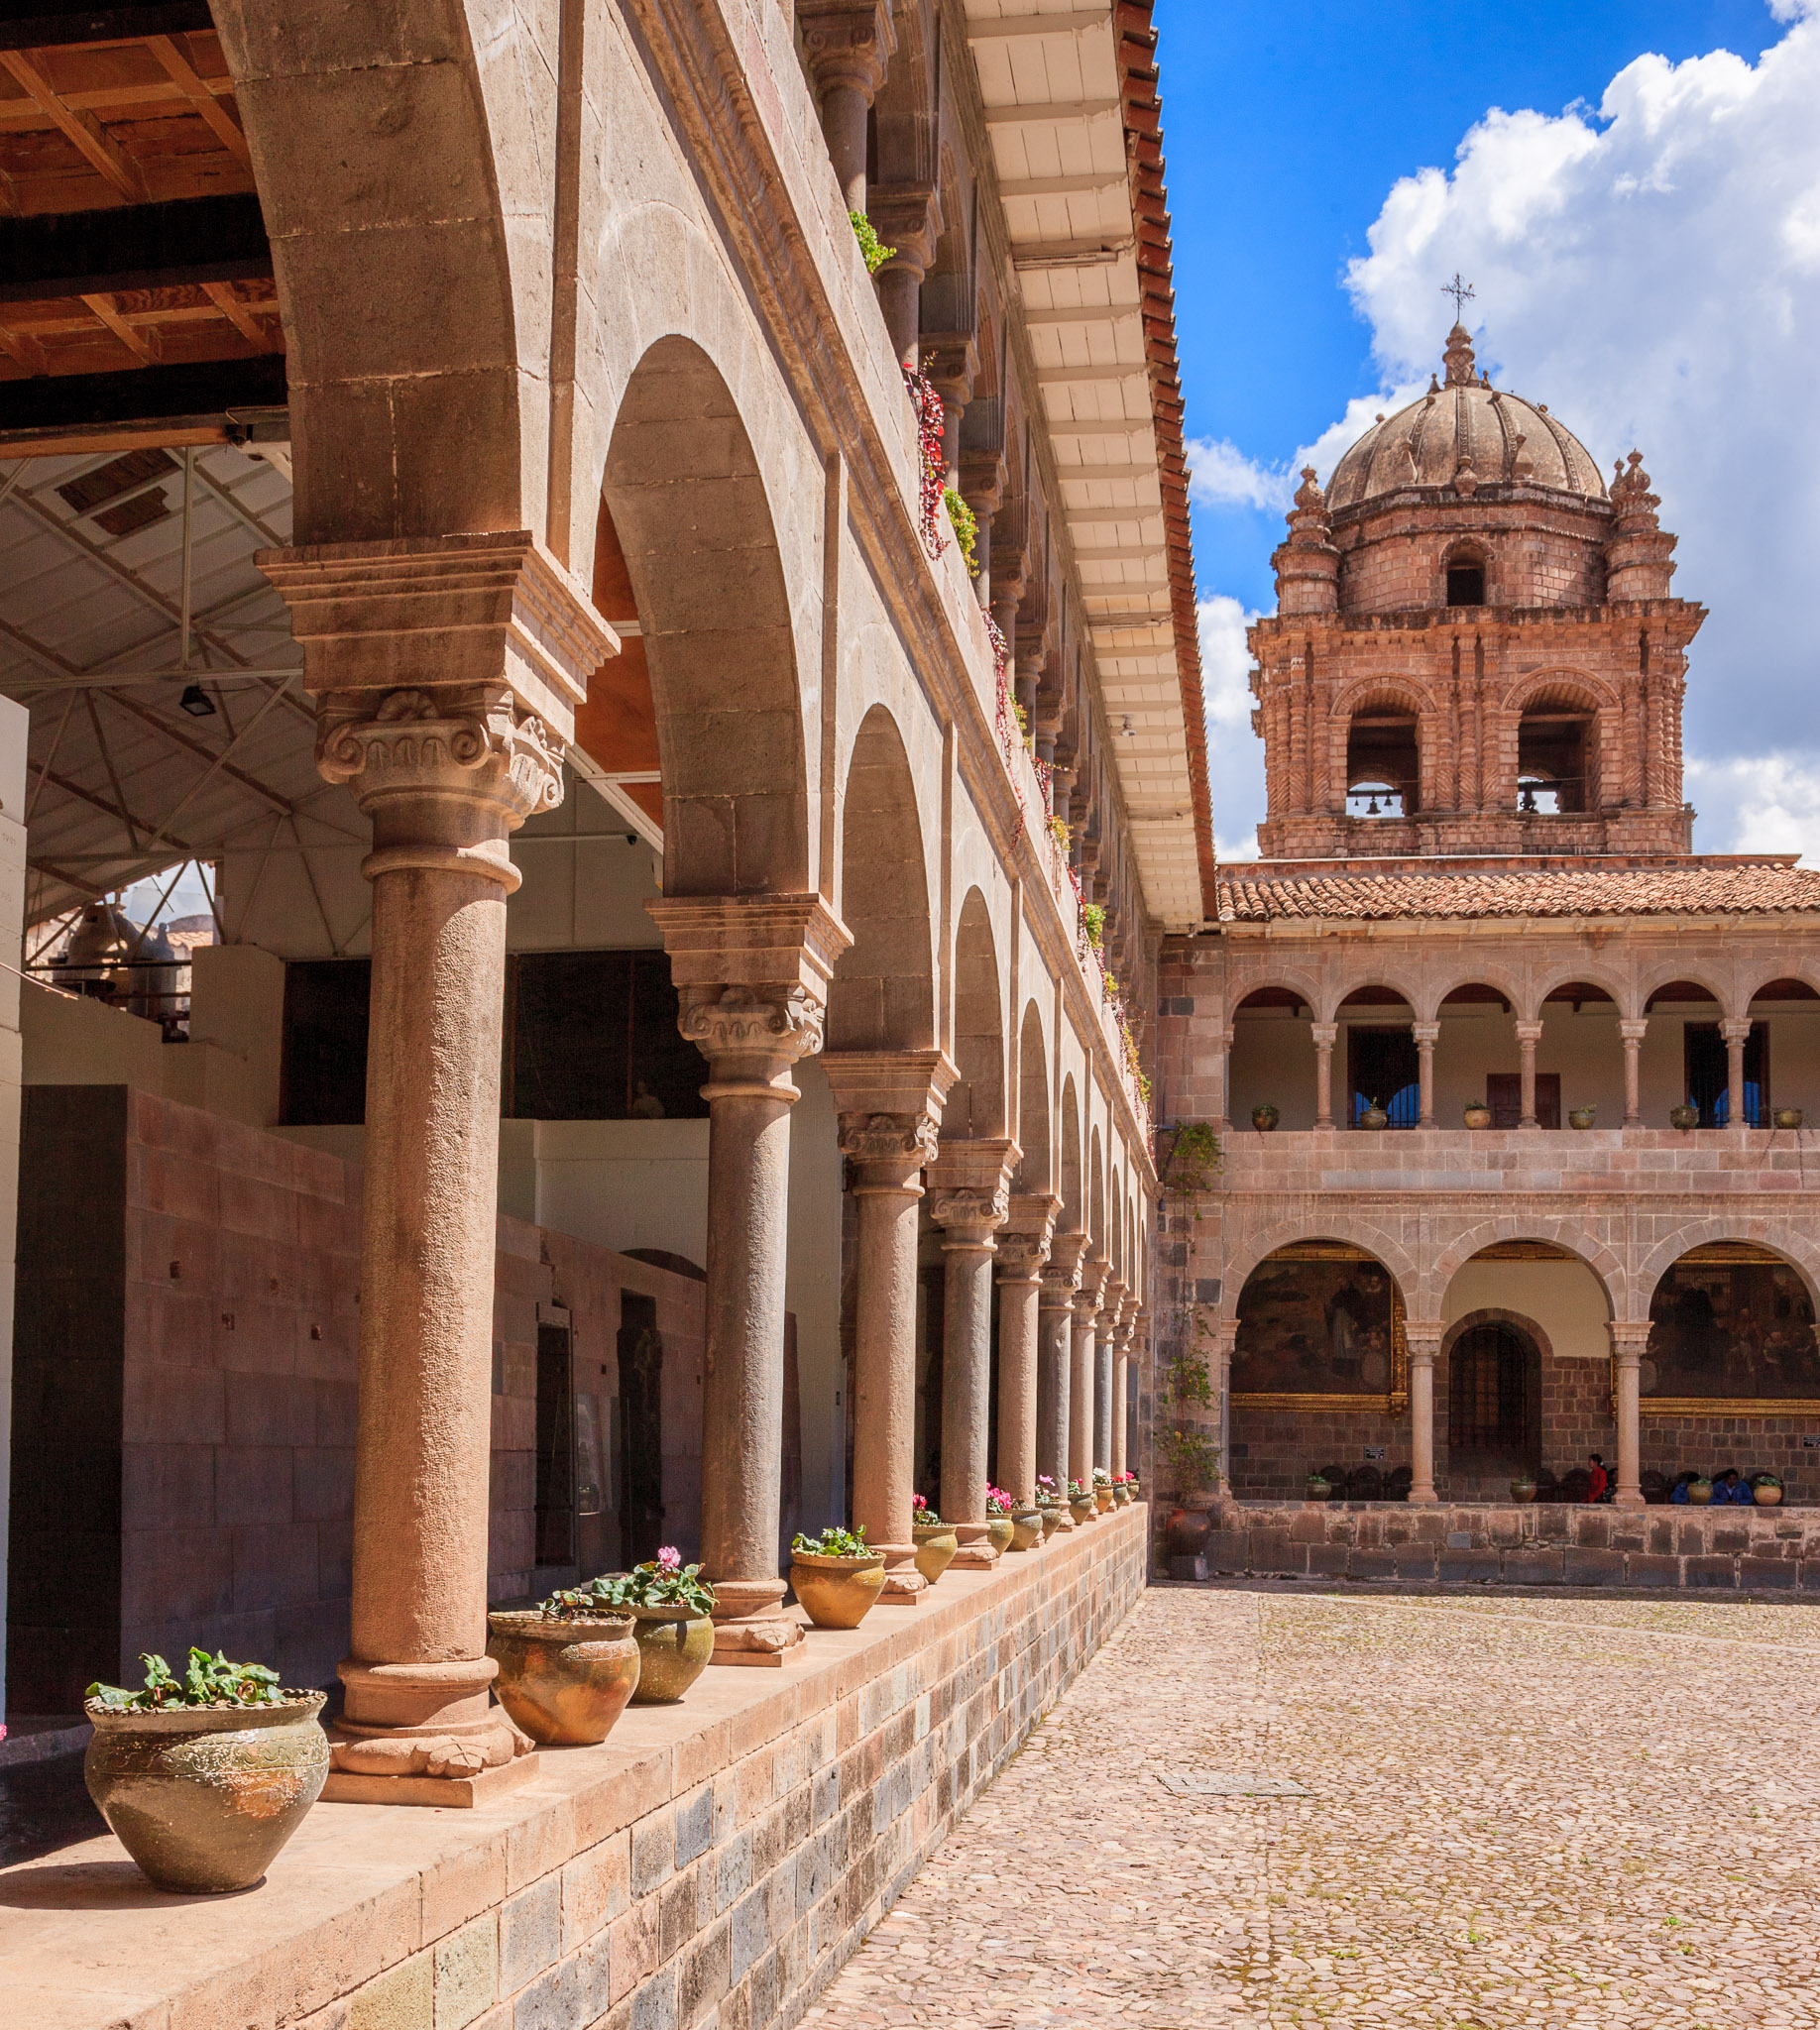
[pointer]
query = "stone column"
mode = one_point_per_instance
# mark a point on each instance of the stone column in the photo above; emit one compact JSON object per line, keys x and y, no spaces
{"x":889,"y":1107}
{"x":1056,"y":1356}
{"x":1326,"y":1034}
{"x":1023,"y":1249}
{"x":969,"y":1202}
{"x":1424,"y":1343}
{"x":848,"y":45}
{"x":1222,"y":1079}
{"x":1111,"y":1315}
{"x":1081,"y":1379}
{"x":446,"y":671}
{"x":1425,"y":1034}
{"x":1225,"y":1338}
{"x":753,"y":977}
{"x":1629,"y":1344}
{"x":1528,"y":1035}
{"x":1633,"y":1034}
{"x":905,"y":216}
{"x":1737,"y":1033}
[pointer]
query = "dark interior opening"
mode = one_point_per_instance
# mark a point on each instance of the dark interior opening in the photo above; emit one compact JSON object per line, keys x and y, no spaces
{"x":641,"y":1349}
{"x":1494,"y":1396}
{"x":1466,"y":585}
{"x":1708,"y":1079}
{"x":1382,"y":766}
{"x":1551,"y":760}
{"x":1384,"y":1070}
{"x":555,"y":1485}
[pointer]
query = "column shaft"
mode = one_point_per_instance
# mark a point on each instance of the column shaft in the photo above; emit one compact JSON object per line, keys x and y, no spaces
{"x":1102,"y":1404}
{"x":1422,"y":1418}
{"x":884,"y":1360}
{"x":1017,"y":1384}
{"x":843,"y":109}
{"x":1426,"y":1033}
{"x":1122,"y":1415}
{"x":1632,"y":1034}
{"x":1080,"y":1401}
{"x":1528,"y":1035}
{"x":1736,"y":1035}
{"x":967,"y":1373}
{"x":1324,"y":1034}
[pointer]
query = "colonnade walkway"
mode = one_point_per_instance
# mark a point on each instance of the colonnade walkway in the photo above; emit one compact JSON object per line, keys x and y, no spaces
{"x":1522,"y":1810}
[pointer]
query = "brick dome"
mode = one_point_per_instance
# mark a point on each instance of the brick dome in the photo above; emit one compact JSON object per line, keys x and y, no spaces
{"x":1461,"y":436}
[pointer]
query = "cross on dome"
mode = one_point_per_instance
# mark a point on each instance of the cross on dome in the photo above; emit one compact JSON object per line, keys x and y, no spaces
{"x":1460,"y":291}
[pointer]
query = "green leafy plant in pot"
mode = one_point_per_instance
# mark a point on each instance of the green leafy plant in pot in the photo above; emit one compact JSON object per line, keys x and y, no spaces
{"x":203,"y":1777}
{"x":836,"y":1576}
{"x":672,"y":1614}
{"x":568,"y":1667}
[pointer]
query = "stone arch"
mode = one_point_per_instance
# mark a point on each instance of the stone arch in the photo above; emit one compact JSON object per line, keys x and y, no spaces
{"x":1496,"y":1314}
{"x":1115,"y":1223}
{"x":1406,"y":769}
{"x":1801,"y":1254}
{"x":1378,"y":975}
{"x":1502,"y":980}
{"x":1700,"y":975}
{"x":1804,"y":969}
{"x":1286,"y":979}
{"x":1561,"y":1231}
{"x":1068,"y":1176}
{"x":1565,"y":725}
{"x":1244,"y":1256}
{"x":1565,"y":686}
{"x":391,"y":438}
{"x":1036,"y":1169}
{"x":882,"y":994}
{"x":687,"y":498}
{"x":975,"y":1104}
{"x":1622,"y":990}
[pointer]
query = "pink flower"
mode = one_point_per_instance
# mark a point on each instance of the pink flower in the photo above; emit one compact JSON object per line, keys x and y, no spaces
{"x":669,"y":1560}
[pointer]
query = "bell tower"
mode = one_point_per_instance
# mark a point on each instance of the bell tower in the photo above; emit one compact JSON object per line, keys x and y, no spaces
{"x":1476,"y":649}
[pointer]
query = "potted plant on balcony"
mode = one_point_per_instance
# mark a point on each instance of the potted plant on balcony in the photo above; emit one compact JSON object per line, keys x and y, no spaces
{"x":1265,"y":1117}
{"x":1581,"y":1117}
{"x":1684,"y":1116}
{"x":1102,"y":1488}
{"x":1765,"y":1490}
{"x":671,"y":1607}
{"x":935,"y":1540}
{"x":1082,"y":1504}
{"x":1026,"y":1524}
{"x":1373,"y":1115}
{"x":1000,"y":1530}
{"x":1052,"y":1507}
{"x":836,"y":1576}
{"x":1478,"y":1115}
{"x":204,"y":1778}
{"x":1317,"y":1487}
{"x":1789,"y":1116}
{"x":568,"y":1667}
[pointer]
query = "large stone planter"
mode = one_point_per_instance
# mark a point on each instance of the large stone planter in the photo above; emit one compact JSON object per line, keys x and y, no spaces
{"x":203,"y":1797}
{"x":999,"y":1532}
{"x":1052,"y":1518}
{"x":674,"y":1648}
{"x":565,"y":1682}
{"x":1084,"y":1509}
{"x":1026,"y":1527}
{"x":936,"y":1545}
{"x":837,"y":1593}
{"x":1102,"y":1499}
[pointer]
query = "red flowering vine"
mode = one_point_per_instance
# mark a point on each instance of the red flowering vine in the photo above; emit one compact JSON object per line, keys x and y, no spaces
{"x":929,"y":430}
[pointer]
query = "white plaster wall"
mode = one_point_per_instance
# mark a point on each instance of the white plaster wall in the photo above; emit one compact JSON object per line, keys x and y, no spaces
{"x":1272,"y":1060}
{"x":15,"y":728}
{"x":1563,"y":1298}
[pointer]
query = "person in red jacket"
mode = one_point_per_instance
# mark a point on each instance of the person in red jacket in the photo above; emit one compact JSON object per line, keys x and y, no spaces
{"x":1597,"y":1477}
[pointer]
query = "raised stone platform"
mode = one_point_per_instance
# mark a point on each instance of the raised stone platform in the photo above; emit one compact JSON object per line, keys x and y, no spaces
{"x":1550,"y":1544}
{"x":716,"y":1861}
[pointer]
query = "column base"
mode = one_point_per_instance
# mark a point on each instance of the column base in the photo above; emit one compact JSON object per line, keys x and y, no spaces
{"x":904,"y":1585}
{"x":430,"y":1726}
{"x":1418,"y":1500}
{"x":977,"y":1553}
{"x":444,"y":1794}
{"x":750,"y":1628}
{"x":1623,"y":1500}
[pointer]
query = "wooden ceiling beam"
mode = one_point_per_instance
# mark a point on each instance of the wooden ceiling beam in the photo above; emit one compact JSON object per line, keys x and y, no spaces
{"x":23,"y":350}
{"x":143,"y":345}
{"x":82,"y":130}
{"x":215,"y":116}
{"x":183,"y":242}
{"x":240,"y":315}
{"x":52,"y":26}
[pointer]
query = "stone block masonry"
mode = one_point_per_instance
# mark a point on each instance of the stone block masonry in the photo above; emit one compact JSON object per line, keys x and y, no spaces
{"x":714,"y":1862}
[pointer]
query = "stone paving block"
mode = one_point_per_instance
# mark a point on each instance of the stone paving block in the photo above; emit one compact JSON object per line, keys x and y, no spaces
{"x":1766,"y":1573}
{"x":1590,"y":1567}
{"x":1653,"y":1568}
{"x":1534,"y":1565}
{"x":1710,"y":1570}
{"x":1367,"y":1564}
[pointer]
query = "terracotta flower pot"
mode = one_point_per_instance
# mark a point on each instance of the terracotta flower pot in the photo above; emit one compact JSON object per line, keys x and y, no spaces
{"x":1684,"y":1117}
{"x":1581,"y":1117}
{"x":837,"y":1593}
{"x":1264,"y":1118}
{"x":1052,"y":1519}
{"x":1102,"y":1497}
{"x":999,"y":1532}
{"x":565,"y":1682}
{"x":674,"y":1648}
{"x":203,"y":1797}
{"x":1085,"y":1509}
{"x":1478,"y":1116}
{"x":936,"y":1545}
{"x":1699,"y":1493}
{"x":1522,"y":1490}
{"x":1026,"y":1527}
{"x":1374,"y":1117}
{"x":1317,"y":1489}
{"x":1765,"y":1495}
{"x":1789,"y":1116}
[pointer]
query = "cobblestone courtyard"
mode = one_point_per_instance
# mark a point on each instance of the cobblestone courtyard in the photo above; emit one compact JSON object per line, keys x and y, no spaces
{"x":1521,"y":1812}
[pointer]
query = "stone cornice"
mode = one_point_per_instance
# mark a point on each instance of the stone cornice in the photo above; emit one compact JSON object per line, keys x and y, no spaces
{"x":703,"y":50}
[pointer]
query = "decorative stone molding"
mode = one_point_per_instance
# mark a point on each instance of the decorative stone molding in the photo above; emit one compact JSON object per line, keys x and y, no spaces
{"x":846,"y":43}
{"x":768,"y":1021}
{"x":439,"y":613}
{"x":767,"y":942}
{"x":890,"y":1137}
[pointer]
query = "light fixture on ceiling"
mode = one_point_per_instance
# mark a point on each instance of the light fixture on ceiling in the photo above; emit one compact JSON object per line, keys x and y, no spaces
{"x":1127,"y":731}
{"x":196,"y":701}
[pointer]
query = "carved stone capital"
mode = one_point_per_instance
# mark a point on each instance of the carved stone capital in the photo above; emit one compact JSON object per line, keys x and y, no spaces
{"x":908,"y":217}
{"x":1629,"y":1341}
{"x":735,"y":1025}
{"x":971,"y":1216}
{"x":950,"y":362}
{"x":1020,"y":1256}
{"x":896,"y":1146}
{"x":846,"y":43}
{"x":761,"y":942}
{"x":1633,"y":1031}
{"x":443,"y":774}
{"x":1060,"y":1281}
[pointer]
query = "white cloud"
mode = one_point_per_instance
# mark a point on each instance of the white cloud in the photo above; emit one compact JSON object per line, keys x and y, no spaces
{"x":1652,"y":270}
{"x":1221,"y":476}
{"x":1235,"y":757}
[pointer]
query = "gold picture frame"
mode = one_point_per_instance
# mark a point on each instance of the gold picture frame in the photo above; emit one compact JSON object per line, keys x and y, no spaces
{"x":1391,"y":1403}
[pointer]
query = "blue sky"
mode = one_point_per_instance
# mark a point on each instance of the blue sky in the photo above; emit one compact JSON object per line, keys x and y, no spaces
{"x":1288,"y":126}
